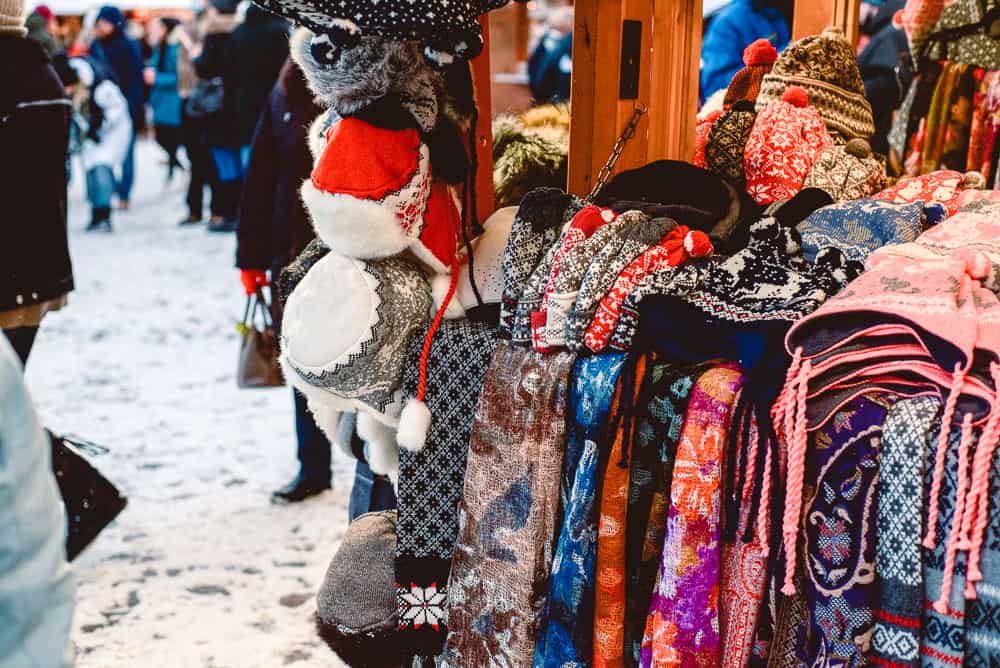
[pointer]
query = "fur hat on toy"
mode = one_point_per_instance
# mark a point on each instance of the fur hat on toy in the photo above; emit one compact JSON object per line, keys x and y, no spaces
{"x":827,"y":68}
{"x":848,"y":171}
{"x":356,"y":604}
{"x":787,"y":137}
{"x":345,"y":330}
{"x":448,"y":32}
{"x":758,"y":59}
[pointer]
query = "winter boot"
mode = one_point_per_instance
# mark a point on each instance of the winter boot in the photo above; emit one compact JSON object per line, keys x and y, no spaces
{"x":100,"y":219}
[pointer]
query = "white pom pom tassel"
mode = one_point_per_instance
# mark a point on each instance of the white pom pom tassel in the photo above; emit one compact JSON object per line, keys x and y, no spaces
{"x":414,"y":423}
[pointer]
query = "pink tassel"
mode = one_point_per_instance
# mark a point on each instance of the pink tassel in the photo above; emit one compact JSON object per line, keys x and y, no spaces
{"x":796,"y":475}
{"x":958,"y":380}
{"x":956,"y":525}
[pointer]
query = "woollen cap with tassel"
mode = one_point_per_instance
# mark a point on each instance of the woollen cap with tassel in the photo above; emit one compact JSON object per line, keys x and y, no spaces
{"x":758,"y":58}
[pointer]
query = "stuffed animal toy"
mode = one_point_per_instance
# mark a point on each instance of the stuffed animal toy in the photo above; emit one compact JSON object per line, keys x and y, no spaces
{"x":384,"y":197}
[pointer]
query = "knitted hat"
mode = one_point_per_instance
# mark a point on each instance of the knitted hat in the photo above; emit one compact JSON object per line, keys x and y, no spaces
{"x":345,"y":330}
{"x":847,"y":171}
{"x":944,"y":186}
{"x":112,"y":15}
{"x":758,"y":58}
{"x":787,"y":137}
{"x":12,"y":13}
{"x":702,"y":128}
{"x":826,"y":67}
{"x":728,"y":140}
{"x":372,"y":195}
{"x":860,"y":227}
{"x":356,"y":604}
{"x":449,"y":31}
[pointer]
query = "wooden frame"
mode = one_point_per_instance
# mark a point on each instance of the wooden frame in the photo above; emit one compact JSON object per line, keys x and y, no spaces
{"x":668,"y":81}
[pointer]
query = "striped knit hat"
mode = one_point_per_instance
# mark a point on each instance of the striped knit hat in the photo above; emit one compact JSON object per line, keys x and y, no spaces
{"x":12,"y":18}
{"x":825,"y":65}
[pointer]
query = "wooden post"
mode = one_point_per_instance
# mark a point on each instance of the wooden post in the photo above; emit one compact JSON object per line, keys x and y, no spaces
{"x":675,"y":66}
{"x":812,"y":16}
{"x":668,"y":84}
{"x":481,"y":80}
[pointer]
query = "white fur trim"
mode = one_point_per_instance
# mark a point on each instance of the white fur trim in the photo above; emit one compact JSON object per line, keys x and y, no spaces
{"x":327,"y":418}
{"x":440,"y":283}
{"x":414,"y":423}
{"x":317,"y":133}
{"x":428,"y":258}
{"x":383,"y":453}
{"x":344,"y":404}
{"x":354,"y":227}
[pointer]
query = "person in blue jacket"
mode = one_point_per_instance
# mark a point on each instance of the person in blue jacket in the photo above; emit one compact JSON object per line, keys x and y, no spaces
{"x":164,"y":95}
{"x":732,"y":29}
{"x":123,"y":57}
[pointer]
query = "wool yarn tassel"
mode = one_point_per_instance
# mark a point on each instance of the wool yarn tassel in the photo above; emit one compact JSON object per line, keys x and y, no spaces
{"x":941,"y":605}
{"x":797,"y":446}
{"x":958,"y":381}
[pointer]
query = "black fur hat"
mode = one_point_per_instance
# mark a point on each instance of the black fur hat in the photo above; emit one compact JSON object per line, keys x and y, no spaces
{"x":448,"y":31}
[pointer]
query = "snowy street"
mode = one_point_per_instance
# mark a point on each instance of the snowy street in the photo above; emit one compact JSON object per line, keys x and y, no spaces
{"x":200,"y":570}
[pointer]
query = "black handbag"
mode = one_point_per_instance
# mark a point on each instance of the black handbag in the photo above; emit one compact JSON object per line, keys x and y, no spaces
{"x":92,"y":501}
{"x":207,"y":98}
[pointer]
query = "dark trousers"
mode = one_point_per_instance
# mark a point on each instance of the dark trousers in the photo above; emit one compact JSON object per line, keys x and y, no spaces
{"x":370,"y":494}
{"x":314,"y":448}
{"x":202,"y":168}
{"x":169,"y":139}
{"x":22,"y":339}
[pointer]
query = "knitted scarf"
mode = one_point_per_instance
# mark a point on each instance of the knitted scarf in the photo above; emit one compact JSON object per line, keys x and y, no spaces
{"x":508,"y":517}
{"x":838,"y":524}
{"x":566,"y":635}
{"x":906,"y":438}
{"x":982,"y":625}
{"x":683,"y":625}
{"x":609,"y":598}
{"x":430,"y":481}
{"x":657,"y":434}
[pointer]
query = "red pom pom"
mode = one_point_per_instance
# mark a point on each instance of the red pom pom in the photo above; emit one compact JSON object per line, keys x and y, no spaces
{"x":697,"y":244}
{"x":796,"y":96}
{"x":760,"y":52}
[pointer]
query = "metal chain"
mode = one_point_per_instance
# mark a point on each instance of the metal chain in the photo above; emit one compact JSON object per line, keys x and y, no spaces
{"x":604,"y":175}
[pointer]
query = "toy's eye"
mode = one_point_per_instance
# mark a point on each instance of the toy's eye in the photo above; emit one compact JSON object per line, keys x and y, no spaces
{"x":323,"y":50}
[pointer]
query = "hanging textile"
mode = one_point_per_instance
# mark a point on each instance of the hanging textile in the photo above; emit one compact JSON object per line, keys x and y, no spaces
{"x":508,"y":516}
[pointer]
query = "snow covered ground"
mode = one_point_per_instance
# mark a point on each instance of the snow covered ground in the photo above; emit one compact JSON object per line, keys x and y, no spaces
{"x":200,"y":570}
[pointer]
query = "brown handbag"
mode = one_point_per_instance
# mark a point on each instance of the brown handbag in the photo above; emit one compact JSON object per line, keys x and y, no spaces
{"x":258,"y":364}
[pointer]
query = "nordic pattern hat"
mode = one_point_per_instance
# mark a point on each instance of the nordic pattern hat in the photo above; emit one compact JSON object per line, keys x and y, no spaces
{"x":356,"y":604}
{"x":758,"y":58}
{"x":702,"y":129}
{"x":345,"y":330}
{"x":536,"y":227}
{"x":826,"y":67}
{"x":847,"y":171}
{"x":944,"y":186}
{"x":786,"y":139}
{"x":727,"y":142}
{"x":860,"y":227}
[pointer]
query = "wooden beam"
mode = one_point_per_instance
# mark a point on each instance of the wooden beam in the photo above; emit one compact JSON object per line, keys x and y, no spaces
{"x":676,"y":59}
{"x":482,"y":80}
{"x":812,"y":16}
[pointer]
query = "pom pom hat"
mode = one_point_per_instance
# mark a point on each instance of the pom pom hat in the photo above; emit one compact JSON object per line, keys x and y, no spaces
{"x":758,"y":57}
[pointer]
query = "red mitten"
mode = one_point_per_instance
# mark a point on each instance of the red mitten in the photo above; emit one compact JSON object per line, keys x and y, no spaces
{"x":252,"y":279}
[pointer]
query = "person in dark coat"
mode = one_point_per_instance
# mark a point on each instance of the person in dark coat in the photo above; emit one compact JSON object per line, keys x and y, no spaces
{"x":273,"y":229}
{"x":123,"y":57}
{"x":248,"y":59}
{"x":883,"y":66}
{"x":35,"y":269}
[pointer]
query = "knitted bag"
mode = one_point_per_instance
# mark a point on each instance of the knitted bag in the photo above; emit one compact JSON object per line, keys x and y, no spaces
{"x":566,"y":632}
{"x":727,"y":142}
{"x":536,"y":227}
{"x":847,"y":172}
{"x":786,"y":139}
{"x":683,"y":623}
{"x":826,"y":67}
{"x":430,"y":481}
{"x":860,"y":227}
{"x":345,"y":331}
{"x":508,"y":516}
